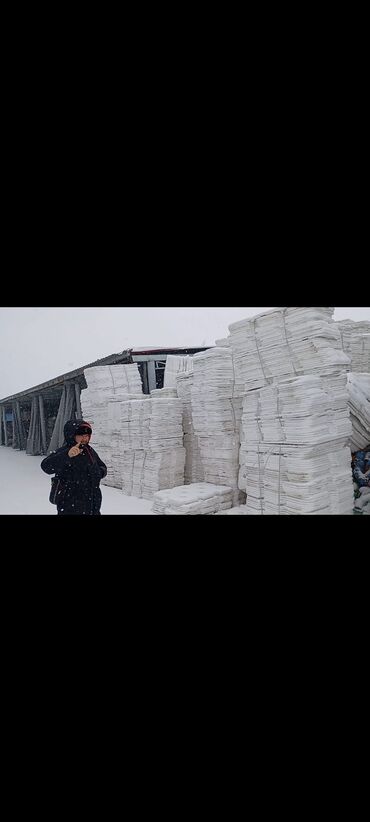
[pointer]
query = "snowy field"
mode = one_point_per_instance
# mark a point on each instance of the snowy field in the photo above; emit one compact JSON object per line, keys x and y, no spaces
{"x":24,"y":489}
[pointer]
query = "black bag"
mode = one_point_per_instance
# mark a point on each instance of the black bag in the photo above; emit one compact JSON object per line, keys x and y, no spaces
{"x":56,"y":488}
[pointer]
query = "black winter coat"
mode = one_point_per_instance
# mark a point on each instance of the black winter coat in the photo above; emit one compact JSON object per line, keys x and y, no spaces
{"x":79,"y":478}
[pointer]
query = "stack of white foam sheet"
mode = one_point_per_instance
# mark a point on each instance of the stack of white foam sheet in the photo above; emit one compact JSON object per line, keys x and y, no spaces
{"x":114,"y":433}
{"x":360,"y":353}
{"x":294,"y":455}
{"x":193,"y":461}
{"x":163,"y":469}
{"x":165,"y":424}
{"x":215,"y":421}
{"x":150,"y":453}
{"x":223,"y":343}
{"x":299,"y":410}
{"x":106,"y":387}
{"x":114,"y":379}
{"x":359,"y":406}
{"x":197,"y":498}
{"x":290,"y":479}
{"x":355,"y":337}
{"x":133,"y":426}
{"x":134,"y":423}
{"x":132,"y":463}
{"x":163,"y":392}
{"x":106,"y":439}
{"x":285,"y":342}
{"x":176,"y":365}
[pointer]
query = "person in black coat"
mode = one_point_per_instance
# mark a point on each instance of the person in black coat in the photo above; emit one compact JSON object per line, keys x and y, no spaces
{"x":78,"y":470}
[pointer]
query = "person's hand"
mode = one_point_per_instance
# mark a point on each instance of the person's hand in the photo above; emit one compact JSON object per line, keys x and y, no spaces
{"x":74,"y":451}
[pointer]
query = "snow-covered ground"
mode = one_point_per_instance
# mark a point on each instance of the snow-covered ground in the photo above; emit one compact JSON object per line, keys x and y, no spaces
{"x":24,"y":489}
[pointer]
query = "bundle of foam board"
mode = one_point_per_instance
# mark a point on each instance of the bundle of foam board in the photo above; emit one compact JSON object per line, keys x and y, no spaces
{"x":163,"y":392}
{"x":215,"y":421}
{"x":299,"y":410}
{"x":294,"y":455}
{"x":109,"y":381}
{"x":193,"y":461}
{"x":150,"y":453}
{"x":114,"y":475}
{"x":176,"y":365}
{"x":285,"y":342}
{"x":106,"y":386}
{"x":355,"y":337}
{"x":197,"y":498}
{"x":359,"y":406}
{"x":360,"y":353}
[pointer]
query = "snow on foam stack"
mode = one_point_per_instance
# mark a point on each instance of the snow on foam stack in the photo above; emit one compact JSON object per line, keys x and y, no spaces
{"x":149,"y":452}
{"x":215,"y":421}
{"x":295,"y":456}
{"x":107,"y":385}
{"x":193,"y":461}
{"x":198,"y":498}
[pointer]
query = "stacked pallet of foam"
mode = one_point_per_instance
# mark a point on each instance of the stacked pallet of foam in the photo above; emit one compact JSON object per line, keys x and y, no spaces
{"x":295,"y":456}
{"x":285,"y":342}
{"x":133,"y":433}
{"x":150,"y":453}
{"x":267,"y":350}
{"x":176,"y":365}
{"x":193,"y":461}
{"x":214,"y":419}
{"x":198,"y":498}
{"x":106,"y":386}
{"x":165,"y":453}
{"x":114,"y":476}
{"x":355,"y":337}
{"x":107,"y":382}
{"x":359,"y":406}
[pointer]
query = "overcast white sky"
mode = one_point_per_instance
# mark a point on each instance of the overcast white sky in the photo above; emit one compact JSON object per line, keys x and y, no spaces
{"x":37,"y":344}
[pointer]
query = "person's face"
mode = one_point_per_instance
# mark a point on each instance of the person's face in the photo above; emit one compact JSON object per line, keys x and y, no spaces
{"x":84,"y":438}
